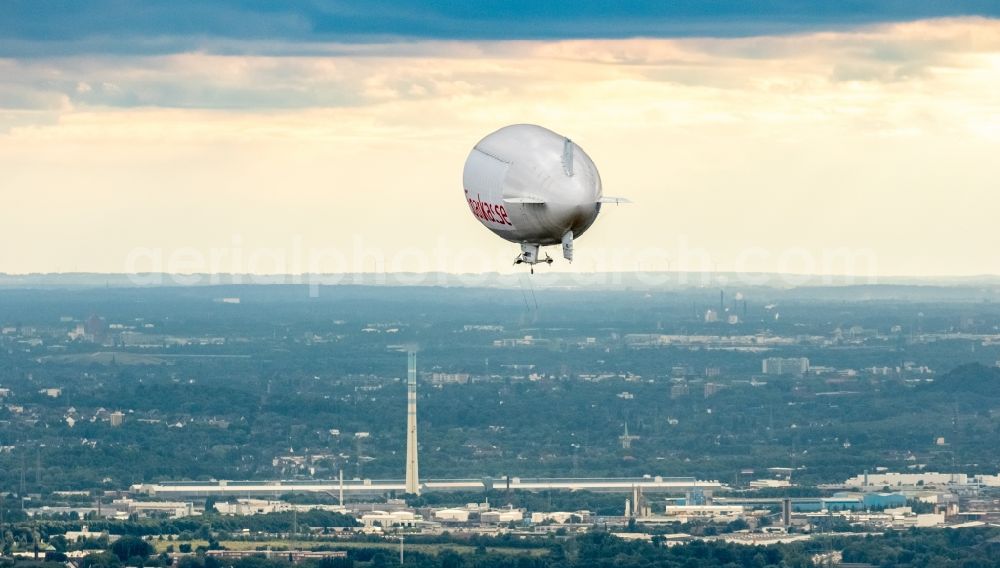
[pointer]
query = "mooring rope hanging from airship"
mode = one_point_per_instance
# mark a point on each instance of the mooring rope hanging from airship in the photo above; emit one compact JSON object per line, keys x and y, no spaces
{"x":527,"y":286}
{"x":524,"y":295}
{"x":535,"y":188}
{"x":531,"y":288}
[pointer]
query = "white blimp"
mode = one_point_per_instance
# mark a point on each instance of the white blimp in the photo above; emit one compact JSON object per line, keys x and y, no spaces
{"x":533,"y":187}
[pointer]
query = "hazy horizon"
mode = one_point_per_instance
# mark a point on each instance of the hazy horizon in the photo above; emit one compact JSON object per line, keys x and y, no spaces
{"x":985,"y":287}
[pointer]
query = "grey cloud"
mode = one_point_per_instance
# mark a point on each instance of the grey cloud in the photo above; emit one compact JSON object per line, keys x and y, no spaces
{"x":45,"y":27}
{"x":210,"y":82}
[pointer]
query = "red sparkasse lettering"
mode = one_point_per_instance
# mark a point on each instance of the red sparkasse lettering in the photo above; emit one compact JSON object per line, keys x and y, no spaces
{"x":486,"y":211}
{"x":489,"y":213}
{"x":482,"y":208}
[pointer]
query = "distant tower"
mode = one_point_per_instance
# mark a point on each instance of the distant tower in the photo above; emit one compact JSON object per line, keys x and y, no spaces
{"x":637,"y":507}
{"x":412,"y":472}
{"x":626,"y":439}
{"x":341,"y":475}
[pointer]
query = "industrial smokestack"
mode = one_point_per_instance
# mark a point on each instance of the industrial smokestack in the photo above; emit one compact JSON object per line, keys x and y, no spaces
{"x":412,"y":470}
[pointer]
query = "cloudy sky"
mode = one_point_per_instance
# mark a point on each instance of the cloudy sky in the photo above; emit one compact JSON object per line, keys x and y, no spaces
{"x":799,"y":136}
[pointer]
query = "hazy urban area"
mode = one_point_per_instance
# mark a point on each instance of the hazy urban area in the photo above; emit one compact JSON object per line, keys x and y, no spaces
{"x":693,"y":420}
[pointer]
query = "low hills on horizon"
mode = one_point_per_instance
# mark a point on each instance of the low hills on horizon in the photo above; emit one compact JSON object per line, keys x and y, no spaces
{"x":979,"y":288}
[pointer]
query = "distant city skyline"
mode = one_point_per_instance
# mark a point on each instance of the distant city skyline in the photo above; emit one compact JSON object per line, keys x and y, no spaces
{"x":289,"y":141}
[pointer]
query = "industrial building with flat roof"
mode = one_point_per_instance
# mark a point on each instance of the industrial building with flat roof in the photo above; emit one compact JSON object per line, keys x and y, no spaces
{"x":379,"y":487}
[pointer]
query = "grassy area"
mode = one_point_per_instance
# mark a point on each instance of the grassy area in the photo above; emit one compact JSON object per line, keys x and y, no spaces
{"x":339,"y":544}
{"x":161,"y":545}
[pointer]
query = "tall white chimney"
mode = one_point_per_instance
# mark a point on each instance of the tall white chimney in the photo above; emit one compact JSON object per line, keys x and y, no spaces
{"x":412,"y":468}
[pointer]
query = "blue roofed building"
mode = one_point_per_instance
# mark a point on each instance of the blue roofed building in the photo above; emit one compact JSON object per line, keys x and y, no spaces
{"x":883,"y":500}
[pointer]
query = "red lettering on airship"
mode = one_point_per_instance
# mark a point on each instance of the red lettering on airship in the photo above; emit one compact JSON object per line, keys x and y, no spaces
{"x":486,"y":211}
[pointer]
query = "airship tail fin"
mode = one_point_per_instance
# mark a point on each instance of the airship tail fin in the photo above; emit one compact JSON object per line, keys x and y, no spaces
{"x":567,"y":244}
{"x":615,"y":200}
